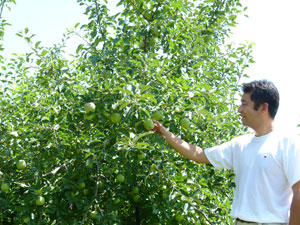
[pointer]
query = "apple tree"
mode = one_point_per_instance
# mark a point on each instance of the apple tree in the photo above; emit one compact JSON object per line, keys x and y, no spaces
{"x":4,"y":4}
{"x":75,"y":141}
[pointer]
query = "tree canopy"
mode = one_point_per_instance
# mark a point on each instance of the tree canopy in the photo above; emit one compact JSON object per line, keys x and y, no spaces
{"x":96,"y":163}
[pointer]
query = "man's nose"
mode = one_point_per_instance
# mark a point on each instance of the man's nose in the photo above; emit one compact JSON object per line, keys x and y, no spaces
{"x":240,"y":109}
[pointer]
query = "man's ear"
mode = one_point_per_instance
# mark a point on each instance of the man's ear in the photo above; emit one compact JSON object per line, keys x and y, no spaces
{"x":264,"y":107}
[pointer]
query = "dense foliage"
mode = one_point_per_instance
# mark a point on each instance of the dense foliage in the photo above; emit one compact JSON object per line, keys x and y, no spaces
{"x":85,"y":167}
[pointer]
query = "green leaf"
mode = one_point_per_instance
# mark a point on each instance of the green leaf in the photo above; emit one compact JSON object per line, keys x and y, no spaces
{"x":37,"y":44}
{"x":44,"y":52}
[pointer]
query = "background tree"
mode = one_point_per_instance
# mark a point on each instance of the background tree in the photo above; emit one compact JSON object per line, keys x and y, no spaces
{"x":85,"y":166}
{"x":4,"y":4}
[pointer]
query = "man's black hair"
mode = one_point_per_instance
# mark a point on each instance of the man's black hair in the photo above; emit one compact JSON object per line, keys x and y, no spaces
{"x":263,"y":91}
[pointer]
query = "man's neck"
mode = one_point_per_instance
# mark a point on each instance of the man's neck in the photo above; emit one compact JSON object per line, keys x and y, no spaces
{"x":264,"y":129}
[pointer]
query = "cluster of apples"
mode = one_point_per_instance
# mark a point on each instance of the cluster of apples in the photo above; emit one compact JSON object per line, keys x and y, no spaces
{"x":158,"y":115}
{"x":90,"y":107}
{"x":21,"y":165}
{"x":5,"y":187}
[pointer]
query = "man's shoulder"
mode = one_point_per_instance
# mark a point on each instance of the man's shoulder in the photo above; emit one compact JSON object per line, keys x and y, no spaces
{"x":288,"y":140}
{"x":291,"y":136}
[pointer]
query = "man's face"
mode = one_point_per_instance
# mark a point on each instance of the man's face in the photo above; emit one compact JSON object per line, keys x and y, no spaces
{"x":248,"y":113}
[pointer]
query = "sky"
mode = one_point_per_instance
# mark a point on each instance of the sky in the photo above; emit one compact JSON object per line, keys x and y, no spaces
{"x":47,"y":19}
{"x":272,"y":25}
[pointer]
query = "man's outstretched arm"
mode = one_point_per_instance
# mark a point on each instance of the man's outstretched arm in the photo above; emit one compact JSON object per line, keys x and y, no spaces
{"x":187,"y":150}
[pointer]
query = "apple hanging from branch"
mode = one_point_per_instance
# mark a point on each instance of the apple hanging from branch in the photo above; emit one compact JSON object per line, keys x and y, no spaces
{"x":89,"y":107}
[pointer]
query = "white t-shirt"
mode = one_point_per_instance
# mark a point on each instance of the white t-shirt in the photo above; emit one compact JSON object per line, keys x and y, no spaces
{"x":265,"y":170}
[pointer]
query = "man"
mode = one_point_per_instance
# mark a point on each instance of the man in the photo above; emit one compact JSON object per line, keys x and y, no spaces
{"x":266,"y":164}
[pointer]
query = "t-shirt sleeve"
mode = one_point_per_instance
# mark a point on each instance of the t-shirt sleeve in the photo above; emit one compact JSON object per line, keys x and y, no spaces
{"x":221,"y":156}
{"x":291,"y":160}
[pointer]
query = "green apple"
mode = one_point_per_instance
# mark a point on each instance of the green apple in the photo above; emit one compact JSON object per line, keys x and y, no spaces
{"x":82,"y":185}
{"x":136,"y":198}
{"x":148,"y":124}
{"x":89,"y":107}
{"x":135,"y":191}
{"x":21,"y":164}
{"x":115,"y":117}
{"x":86,"y":191}
{"x":155,"y":31}
{"x":141,"y":156}
{"x":147,"y":16}
{"x":26,"y":220}
{"x":116,"y":201}
{"x":142,"y":44}
{"x":94,"y":214}
{"x":158,"y":115}
{"x":40,"y":201}
{"x":152,"y":42}
{"x":152,"y":167}
{"x":185,"y":123}
{"x":120,"y":178}
{"x":178,"y":217}
{"x":4,"y":187}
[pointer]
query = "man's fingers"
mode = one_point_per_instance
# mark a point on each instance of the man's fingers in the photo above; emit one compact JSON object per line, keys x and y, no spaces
{"x":157,"y":128}
{"x":156,"y":125}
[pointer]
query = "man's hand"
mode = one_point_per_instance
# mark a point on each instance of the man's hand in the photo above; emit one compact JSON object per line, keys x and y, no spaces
{"x":159,"y":128}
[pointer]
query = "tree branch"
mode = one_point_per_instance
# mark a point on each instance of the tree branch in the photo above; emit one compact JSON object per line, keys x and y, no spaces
{"x":203,"y":214}
{"x":53,"y":172}
{"x":1,"y":9}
